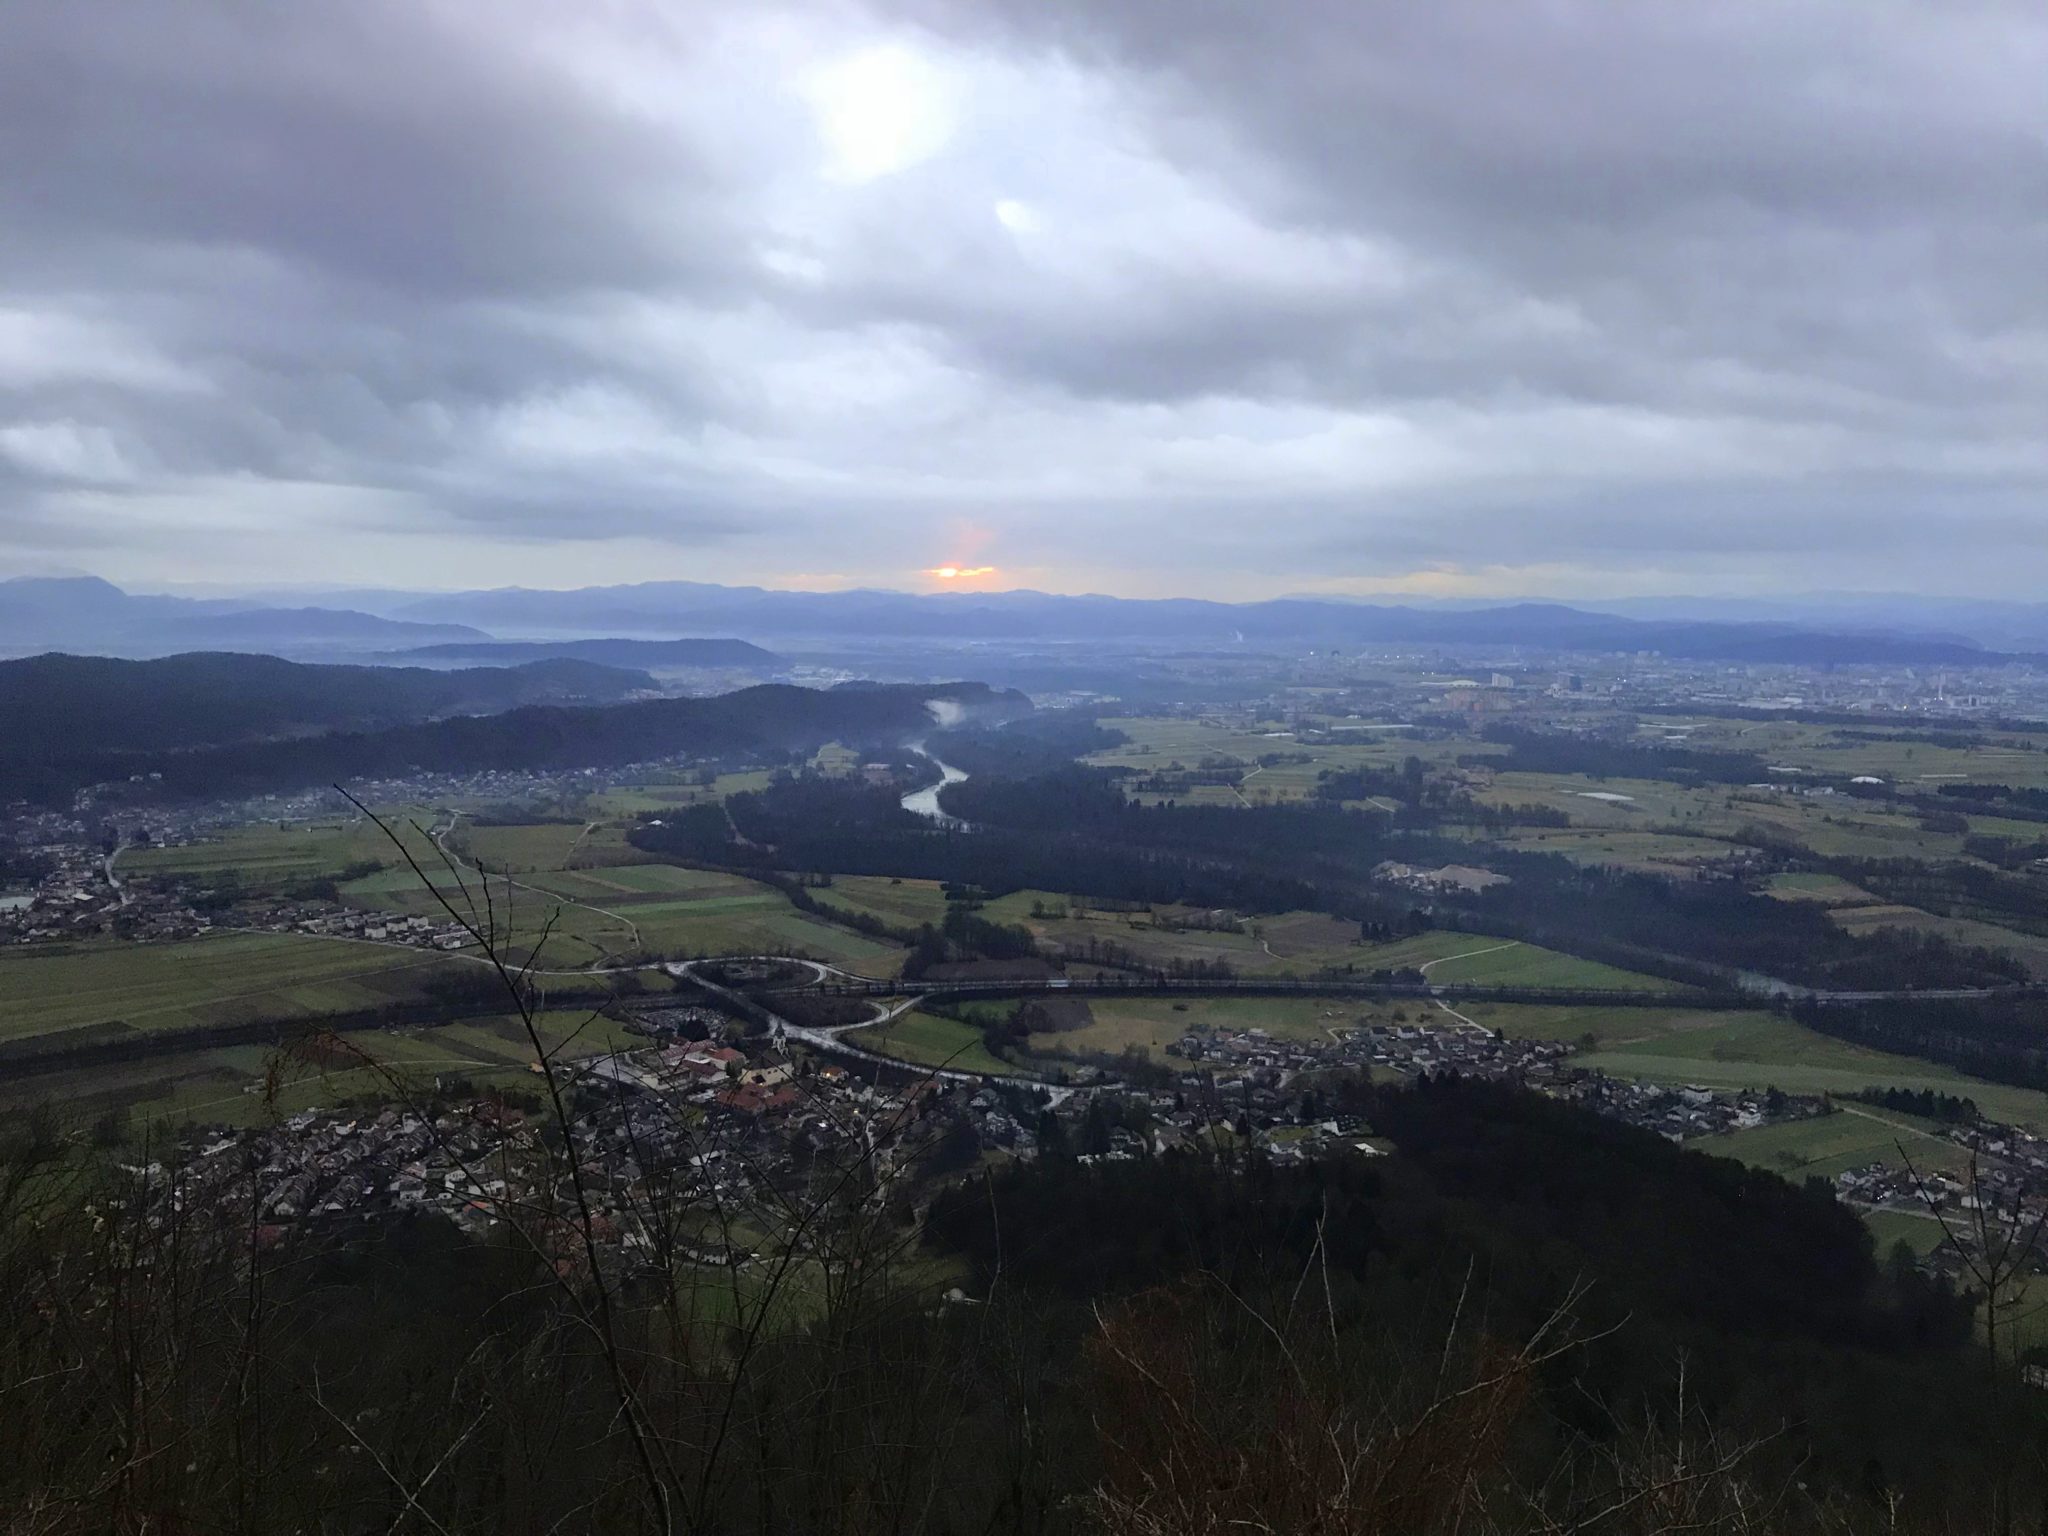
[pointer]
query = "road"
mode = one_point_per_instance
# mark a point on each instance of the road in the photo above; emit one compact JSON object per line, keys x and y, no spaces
{"x":1350,"y":987}
{"x":1445,"y":1007}
{"x":832,"y":1041}
{"x":838,"y":981}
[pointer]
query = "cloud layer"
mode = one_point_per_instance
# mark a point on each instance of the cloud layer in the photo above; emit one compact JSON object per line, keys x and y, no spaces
{"x":1151,"y":297}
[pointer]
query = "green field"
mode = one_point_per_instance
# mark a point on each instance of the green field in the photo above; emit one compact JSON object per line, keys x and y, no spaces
{"x":2030,"y":949}
{"x":1153,"y":1023}
{"x":638,"y":799}
{"x":927,"y":1040}
{"x":1834,"y":826}
{"x":267,"y":855}
{"x":1855,"y":1136}
{"x":836,"y":759}
{"x":1827,"y":890}
{"x":509,"y":907}
{"x":660,"y":909}
{"x":763,"y":924}
{"x":2004,"y":757}
{"x":264,"y":854}
{"x":1920,"y":1233}
{"x":1478,"y":959}
{"x":521,"y":850}
{"x":904,"y":903}
{"x":1306,"y":944}
{"x":248,"y":1085}
{"x":690,"y":912}
{"x":1157,"y":744}
{"x":622,"y":885}
{"x":1604,"y":1028}
{"x":226,"y":978}
{"x":1649,"y":852}
{"x":1761,"y":1050}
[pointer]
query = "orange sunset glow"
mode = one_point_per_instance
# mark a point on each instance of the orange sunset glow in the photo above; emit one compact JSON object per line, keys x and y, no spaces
{"x":959,"y":572}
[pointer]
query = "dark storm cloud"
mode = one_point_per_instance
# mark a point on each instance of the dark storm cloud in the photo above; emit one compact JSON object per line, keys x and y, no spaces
{"x":1234,"y":297}
{"x":413,"y":148}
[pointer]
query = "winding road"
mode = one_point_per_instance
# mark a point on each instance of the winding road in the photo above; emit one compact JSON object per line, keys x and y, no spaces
{"x":830,"y":1040}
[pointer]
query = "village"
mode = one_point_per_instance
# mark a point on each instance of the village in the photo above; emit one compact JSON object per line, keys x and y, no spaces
{"x":701,"y":1143}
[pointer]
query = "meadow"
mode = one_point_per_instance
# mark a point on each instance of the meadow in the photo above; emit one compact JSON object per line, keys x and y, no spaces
{"x":1763,"y":1050}
{"x":1593,"y":1027}
{"x":253,"y":1084}
{"x":1157,"y":743}
{"x":268,"y":855}
{"x":2005,"y":757}
{"x":1854,"y":1136}
{"x":220,"y":979}
{"x":1478,"y":959}
{"x":1117,"y":1024}
{"x":1303,"y":944}
{"x":600,"y":914}
{"x":522,"y":849}
{"x":1649,"y":852}
{"x":904,"y":903}
{"x":927,"y":1040}
{"x":627,"y":800}
{"x":2031,"y":949}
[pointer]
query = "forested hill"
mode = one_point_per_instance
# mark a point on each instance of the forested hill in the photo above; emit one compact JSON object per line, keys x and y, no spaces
{"x":57,"y":705}
{"x":770,"y":720}
{"x":606,"y":653}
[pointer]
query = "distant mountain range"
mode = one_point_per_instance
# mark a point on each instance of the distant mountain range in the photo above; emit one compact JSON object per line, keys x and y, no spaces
{"x":773,"y":617}
{"x":611,"y":625}
{"x":57,"y":705}
{"x":1996,"y":624}
{"x":86,"y":614}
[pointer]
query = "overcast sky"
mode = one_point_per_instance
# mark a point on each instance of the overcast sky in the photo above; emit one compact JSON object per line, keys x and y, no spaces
{"x":1152,"y":296}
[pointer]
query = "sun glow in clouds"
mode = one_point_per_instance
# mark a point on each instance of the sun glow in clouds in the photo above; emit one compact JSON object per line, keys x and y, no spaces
{"x":880,"y":110}
{"x":958,"y":572}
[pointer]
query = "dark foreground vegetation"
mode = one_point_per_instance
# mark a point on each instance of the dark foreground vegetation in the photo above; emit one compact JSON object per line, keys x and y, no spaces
{"x":1524,"y":1319}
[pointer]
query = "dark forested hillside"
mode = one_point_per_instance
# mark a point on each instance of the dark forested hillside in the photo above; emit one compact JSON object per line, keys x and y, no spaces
{"x":605,"y":653}
{"x":56,"y":705}
{"x":772,"y":720}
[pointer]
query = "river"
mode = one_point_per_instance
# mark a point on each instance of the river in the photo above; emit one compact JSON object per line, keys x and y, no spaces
{"x":925,"y":802}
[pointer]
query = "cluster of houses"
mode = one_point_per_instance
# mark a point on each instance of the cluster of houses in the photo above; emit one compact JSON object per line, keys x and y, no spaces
{"x":82,"y":897}
{"x":330,"y":921}
{"x":715,"y":1125}
{"x":2004,"y":1185}
{"x":321,"y":1166}
{"x":719,"y":1122}
{"x":85,"y":892}
{"x":1436,"y":882}
{"x":1452,"y":1045}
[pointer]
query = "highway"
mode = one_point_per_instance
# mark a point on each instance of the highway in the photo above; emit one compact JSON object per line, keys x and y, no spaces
{"x":848,"y":985}
{"x":831,"y":1041}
